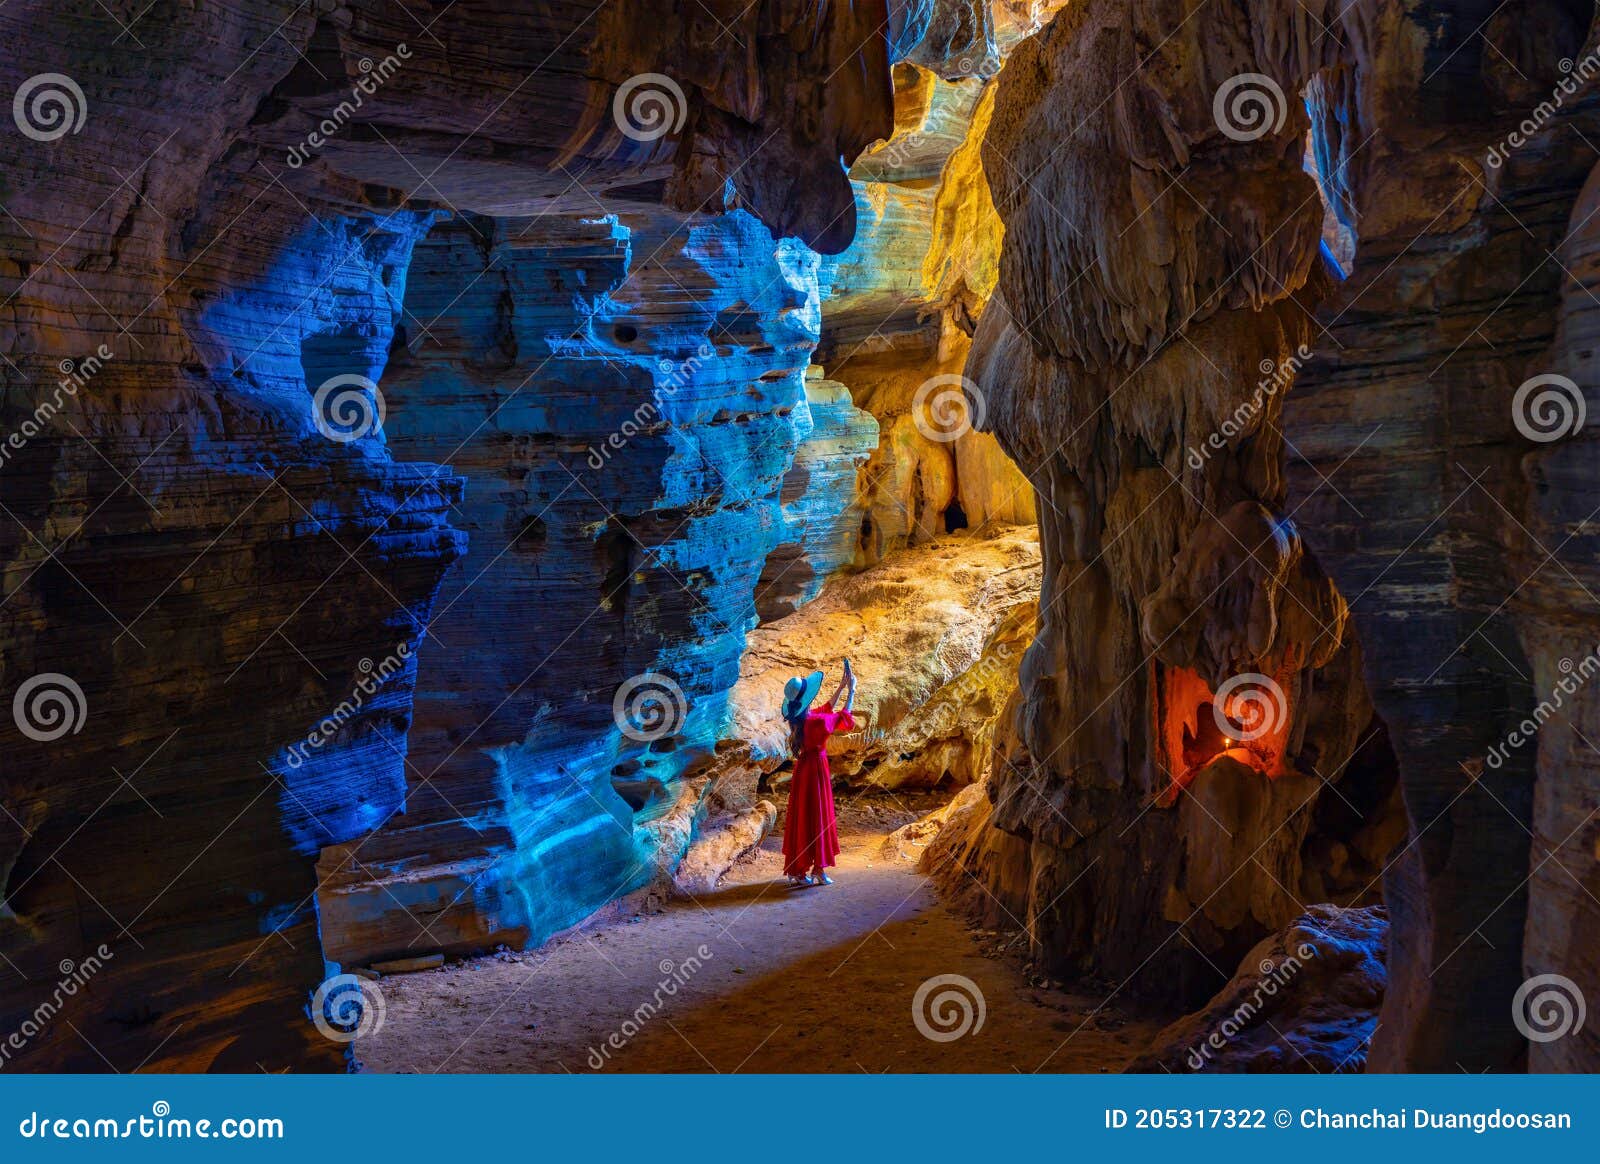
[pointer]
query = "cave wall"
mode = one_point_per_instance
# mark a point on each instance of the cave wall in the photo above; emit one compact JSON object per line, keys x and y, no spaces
{"x":1136,"y":315}
{"x":624,"y":395}
{"x":1456,"y":519}
{"x":903,"y":298}
{"x":220,"y":570}
{"x":1164,"y":297}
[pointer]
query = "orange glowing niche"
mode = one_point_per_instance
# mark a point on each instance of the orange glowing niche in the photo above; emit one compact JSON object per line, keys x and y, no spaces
{"x":1248,"y":723}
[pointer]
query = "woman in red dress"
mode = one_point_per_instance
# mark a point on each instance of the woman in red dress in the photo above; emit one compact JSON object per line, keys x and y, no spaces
{"x":810,"y":830}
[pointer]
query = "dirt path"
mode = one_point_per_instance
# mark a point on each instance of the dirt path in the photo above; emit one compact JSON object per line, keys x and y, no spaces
{"x":754,"y":977}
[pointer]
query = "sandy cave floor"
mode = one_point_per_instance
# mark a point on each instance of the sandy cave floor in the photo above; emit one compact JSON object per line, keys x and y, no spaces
{"x":811,"y":980}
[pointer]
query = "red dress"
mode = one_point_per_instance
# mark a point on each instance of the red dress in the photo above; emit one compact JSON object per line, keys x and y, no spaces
{"x":811,"y":831}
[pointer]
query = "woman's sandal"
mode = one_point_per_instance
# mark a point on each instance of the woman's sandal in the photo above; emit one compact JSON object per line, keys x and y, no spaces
{"x":822,"y":879}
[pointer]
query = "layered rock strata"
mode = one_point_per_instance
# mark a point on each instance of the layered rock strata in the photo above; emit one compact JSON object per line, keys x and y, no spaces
{"x":218,"y":575}
{"x":1158,"y":248}
{"x":624,"y":396}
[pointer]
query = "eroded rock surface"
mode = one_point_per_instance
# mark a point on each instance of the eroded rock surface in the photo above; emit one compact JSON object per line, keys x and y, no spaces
{"x":1192,"y":737}
{"x":934,"y":635}
{"x":1157,"y":255}
{"x":1304,"y":1000}
{"x":224,"y":225}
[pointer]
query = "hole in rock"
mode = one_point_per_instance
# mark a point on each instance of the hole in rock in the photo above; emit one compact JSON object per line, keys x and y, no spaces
{"x":624,"y":333}
{"x":954,"y":517}
{"x":1249,"y":725}
{"x":530,"y":538}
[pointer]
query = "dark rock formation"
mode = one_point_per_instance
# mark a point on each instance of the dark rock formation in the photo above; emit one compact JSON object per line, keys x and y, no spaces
{"x":1461,"y":521}
{"x":1193,"y":740}
{"x":1158,"y":246}
{"x":1304,"y":1000}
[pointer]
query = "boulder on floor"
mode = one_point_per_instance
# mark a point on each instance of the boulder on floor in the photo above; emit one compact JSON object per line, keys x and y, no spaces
{"x":1305,"y":999}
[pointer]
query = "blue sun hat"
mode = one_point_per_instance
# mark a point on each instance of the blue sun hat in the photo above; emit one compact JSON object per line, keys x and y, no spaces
{"x":798,"y":694}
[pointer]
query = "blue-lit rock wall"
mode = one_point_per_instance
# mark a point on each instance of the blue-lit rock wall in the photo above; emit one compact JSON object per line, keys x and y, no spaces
{"x":624,"y":394}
